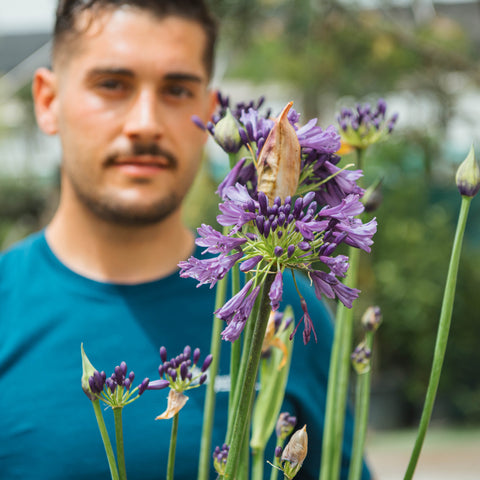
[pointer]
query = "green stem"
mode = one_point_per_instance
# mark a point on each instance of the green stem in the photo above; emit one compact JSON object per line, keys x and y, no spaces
{"x":362,"y":404}
{"x":106,"y":440}
{"x":249,"y":380}
{"x":258,"y":462}
{"x":235,"y":347}
{"x":337,"y":389}
{"x":173,"y":448}
{"x":442,"y":337}
{"x":117,"y":415}
{"x":209,"y":407}
{"x":236,"y":388}
{"x":274,"y":472}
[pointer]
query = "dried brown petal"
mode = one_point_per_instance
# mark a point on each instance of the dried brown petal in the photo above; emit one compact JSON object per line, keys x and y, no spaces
{"x":279,"y":161}
{"x":176,"y":401}
{"x":296,"y":449}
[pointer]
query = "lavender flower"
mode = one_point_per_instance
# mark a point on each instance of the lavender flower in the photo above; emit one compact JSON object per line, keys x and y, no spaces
{"x":361,"y":358}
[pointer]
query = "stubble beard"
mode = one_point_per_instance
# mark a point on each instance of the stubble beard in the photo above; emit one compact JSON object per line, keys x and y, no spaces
{"x":112,"y":209}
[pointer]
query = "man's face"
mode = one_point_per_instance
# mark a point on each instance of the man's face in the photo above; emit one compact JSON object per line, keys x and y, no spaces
{"x":124,"y":99}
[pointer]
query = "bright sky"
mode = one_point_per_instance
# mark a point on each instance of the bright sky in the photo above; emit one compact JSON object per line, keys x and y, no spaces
{"x":37,"y":15}
{"x":26,"y":15}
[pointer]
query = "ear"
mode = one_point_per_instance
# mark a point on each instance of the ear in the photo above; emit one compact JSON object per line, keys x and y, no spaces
{"x":44,"y":90}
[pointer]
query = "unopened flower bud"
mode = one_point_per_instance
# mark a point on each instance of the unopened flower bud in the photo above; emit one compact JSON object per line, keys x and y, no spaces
{"x":468,"y":176}
{"x":295,"y":452}
{"x":372,"y":318}
{"x":227,"y":134}
{"x":88,"y":372}
{"x":279,"y":161}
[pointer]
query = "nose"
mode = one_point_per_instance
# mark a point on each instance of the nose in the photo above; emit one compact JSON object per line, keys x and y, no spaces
{"x":142,"y":122}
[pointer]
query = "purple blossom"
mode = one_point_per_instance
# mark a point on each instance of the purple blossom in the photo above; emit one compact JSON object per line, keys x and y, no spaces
{"x":236,"y":311}
{"x":216,"y":242}
{"x":276,"y":291}
{"x":209,"y":270}
{"x":314,"y":137}
{"x":328,"y":285}
{"x":231,"y":179}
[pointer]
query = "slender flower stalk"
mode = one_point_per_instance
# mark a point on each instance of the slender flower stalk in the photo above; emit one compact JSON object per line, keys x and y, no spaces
{"x":248,"y":386}
{"x":209,"y":407}
{"x":112,"y":463}
{"x":442,"y":336}
{"x":362,"y":365}
{"x":122,"y":469}
{"x":172,"y":450}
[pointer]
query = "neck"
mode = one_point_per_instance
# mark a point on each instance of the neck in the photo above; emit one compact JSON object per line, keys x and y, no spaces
{"x":108,"y":252}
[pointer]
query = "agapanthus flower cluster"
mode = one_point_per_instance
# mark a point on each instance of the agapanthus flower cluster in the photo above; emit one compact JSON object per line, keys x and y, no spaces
{"x":361,"y":358}
{"x":181,"y":373}
{"x":292,"y":213}
{"x":244,"y":125}
{"x":116,"y":390}
{"x":363,"y":125}
{"x":268,"y":240}
{"x":220,"y":456}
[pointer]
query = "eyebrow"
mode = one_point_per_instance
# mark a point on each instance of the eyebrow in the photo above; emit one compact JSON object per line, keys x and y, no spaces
{"x":125,"y":72}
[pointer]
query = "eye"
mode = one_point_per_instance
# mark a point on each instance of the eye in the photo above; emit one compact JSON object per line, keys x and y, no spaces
{"x":178,"y":91}
{"x":111,"y":84}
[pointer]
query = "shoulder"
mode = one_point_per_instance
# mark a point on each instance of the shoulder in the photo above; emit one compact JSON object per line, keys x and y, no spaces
{"x":21,"y":253}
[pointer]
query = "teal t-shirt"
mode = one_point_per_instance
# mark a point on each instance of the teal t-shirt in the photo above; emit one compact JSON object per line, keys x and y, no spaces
{"x":47,"y":424}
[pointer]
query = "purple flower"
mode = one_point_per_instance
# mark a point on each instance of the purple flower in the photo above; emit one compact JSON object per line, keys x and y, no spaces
{"x":276,"y":291}
{"x":216,"y":242}
{"x":314,"y":137}
{"x":236,"y":311}
{"x":338,"y":265}
{"x":231,"y":179}
{"x":209,"y":270}
{"x":328,"y":285}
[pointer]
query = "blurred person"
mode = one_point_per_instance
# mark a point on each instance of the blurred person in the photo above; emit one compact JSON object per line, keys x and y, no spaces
{"x":126,"y":79}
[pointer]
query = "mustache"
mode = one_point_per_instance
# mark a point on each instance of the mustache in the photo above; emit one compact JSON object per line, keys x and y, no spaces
{"x":138,"y":149}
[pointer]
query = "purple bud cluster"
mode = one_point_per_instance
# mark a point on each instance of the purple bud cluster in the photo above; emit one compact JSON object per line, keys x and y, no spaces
{"x":363,"y":117}
{"x":285,"y":425}
{"x":181,"y":372}
{"x":220,"y":455}
{"x":99,"y":383}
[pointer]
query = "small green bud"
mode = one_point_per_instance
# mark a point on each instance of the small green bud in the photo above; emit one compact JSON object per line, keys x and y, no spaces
{"x":226,"y":133}
{"x":468,"y":176}
{"x":88,"y":371}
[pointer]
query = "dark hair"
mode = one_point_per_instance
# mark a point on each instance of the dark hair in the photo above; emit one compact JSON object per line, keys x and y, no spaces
{"x":195,"y":10}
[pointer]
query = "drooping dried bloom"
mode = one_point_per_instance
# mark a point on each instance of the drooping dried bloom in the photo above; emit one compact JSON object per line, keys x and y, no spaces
{"x":468,"y":175}
{"x":176,"y":401}
{"x":278,"y":166}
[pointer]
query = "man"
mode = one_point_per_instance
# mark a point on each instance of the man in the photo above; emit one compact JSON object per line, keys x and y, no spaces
{"x":127,"y":78}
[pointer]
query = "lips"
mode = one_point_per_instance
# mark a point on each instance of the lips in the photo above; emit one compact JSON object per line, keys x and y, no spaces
{"x":141,"y":165}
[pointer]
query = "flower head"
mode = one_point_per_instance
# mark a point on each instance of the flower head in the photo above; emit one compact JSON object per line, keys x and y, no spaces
{"x":220,"y":456}
{"x":294,"y":453}
{"x":361,"y":358}
{"x":364,"y":125}
{"x":285,"y":425}
{"x":372,"y":318}
{"x":116,"y":390}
